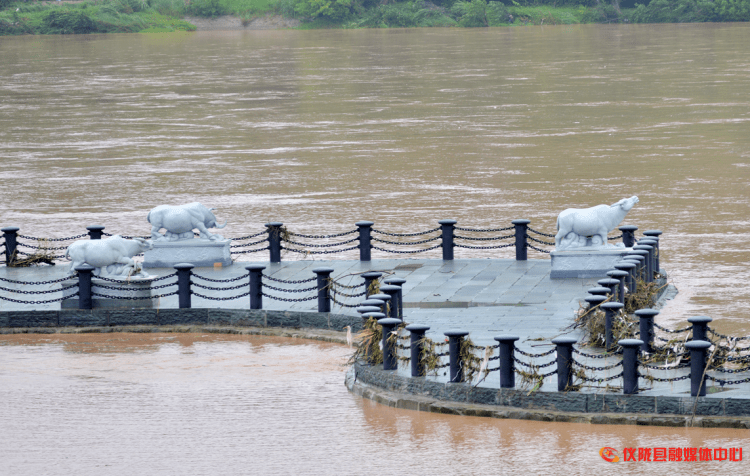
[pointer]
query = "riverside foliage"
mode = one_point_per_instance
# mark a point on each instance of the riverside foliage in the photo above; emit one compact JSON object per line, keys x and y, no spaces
{"x":104,"y":16}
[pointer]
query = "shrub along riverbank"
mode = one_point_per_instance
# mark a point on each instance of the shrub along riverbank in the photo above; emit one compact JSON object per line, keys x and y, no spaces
{"x":105,"y":16}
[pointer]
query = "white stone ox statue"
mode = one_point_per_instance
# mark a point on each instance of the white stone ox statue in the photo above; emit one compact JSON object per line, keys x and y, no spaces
{"x":111,"y":257}
{"x":575,"y":226}
{"x":180,"y":221}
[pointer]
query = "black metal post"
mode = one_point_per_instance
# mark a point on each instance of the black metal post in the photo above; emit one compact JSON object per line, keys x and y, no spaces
{"x":183,"y":284}
{"x":522,"y":234}
{"x":646,"y":327}
{"x":642,"y":257}
{"x":507,"y":345}
{"x":392,"y":291}
{"x":599,"y":291}
{"x":652,"y":253}
{"x":595,"y":300}
{"x":448,"y":228}
{"x":628,"y":235}
{"x":621,"y":276}
{"x":95,"y":232}
{"x":362,"y":310}
{"x":455,"y":337}
{"x":610,"y":310}
{"x":564,"y":347}
{"x":85,"y":299}
{"x":324,"y":290}
{"x":10,"y":233}
{"x":365,"y":245}
{"x":417,"y":335}
{"x":390,"y":360}
{"x":256,"y":285}
{"x":369,"y":277}
{"x":629,"y":268}
{"x":698,"y":350}
{"x":386,"y":302}
{"x":700,"y":327}
{"x":647,"y":265}
{"x":610,"y":283}
{"x":655,"y":235}
{"x":274,"y":240}
{"x":630,"y":349}
{"x":396,"y":281}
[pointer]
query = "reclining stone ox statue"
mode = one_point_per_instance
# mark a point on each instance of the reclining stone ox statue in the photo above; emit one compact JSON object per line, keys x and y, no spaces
{"x":111,"y":257}
{"x":575,"y":226}
{"x":180,"y":221}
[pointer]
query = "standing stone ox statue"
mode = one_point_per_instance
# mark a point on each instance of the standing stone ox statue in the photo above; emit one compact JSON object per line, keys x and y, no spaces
{"x":575,"y":226}
{"x":180,"y":221}
{"x":111,"y":257}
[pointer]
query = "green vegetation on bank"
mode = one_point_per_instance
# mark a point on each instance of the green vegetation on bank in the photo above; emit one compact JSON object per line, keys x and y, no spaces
{"x":105,"y":16}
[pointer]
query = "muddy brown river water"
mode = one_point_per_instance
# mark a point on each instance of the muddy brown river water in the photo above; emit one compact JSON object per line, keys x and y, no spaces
{"x":319,"y":129}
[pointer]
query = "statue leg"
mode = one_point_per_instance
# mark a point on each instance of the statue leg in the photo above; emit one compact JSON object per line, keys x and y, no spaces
{"x":155,"y":235}
{"x":205,"y":234}
{"x":559,"y":238}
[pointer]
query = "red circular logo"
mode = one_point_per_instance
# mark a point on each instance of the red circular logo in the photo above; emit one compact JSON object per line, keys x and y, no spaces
{"x":609,"y":454}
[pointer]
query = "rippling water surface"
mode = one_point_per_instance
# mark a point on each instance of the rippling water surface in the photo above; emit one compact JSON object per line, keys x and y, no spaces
{"x":206,"y":404}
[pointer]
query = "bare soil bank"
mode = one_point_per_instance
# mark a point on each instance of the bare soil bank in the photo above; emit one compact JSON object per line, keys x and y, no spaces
{"x":228,"y":22}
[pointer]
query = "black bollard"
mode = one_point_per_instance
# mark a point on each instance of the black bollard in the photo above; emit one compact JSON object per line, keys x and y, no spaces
{"x":95,"y":232}
{"x":599,"y":291}
{"x":698,"y":349}
{"x":375,"y":315}
{"x":369,"y":278}
{"x":455,"y":337}
{"x":648,"y":265}
{"x":85,"y":299}
{"x":324,"y":290}
{"x":274,"y":240}
{"x":564,"y":347}
{"x":365,"y":245}
{"x":642,"y":257}
{"x":183,"y":284}
{"x":612,"y":284}
{"x":700,"y":327}
{"x":507,"y":345}
{"x":392,"y":291}
{"x":628,"y":267}
{"x":396,"y":281}
{"x":522,"y":234}
{"x":362,"y":310}
{"x":628,"y":235}
{"x":390,"y":359}
{"x":646,"y":327}
{"x":655,"y":235}
{"x":10,"y":233}
{"x":595,"y":300}
{"x":386,"y":302}
{"x":630,"y":349}
{"x":621,"y":276}
{"x":448,"y":227}
{"x":417,"y":335}
{"x":653,"y":254}
{"x":610,"y":310}
{"x":256,"y":285}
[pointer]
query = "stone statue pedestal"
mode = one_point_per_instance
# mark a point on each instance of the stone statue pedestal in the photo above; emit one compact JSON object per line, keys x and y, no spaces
{"x":197,"y":251}
{"x":133,"y":287}
{"x":585,"y":264}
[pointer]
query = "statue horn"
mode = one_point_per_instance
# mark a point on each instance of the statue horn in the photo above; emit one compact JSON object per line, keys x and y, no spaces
{"x":222,"y":226}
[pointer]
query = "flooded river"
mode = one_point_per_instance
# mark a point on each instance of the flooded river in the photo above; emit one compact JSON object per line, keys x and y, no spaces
{"x":319,"y":129}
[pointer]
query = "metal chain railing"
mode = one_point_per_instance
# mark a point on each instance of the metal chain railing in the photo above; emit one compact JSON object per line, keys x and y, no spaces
{"x":483,"y":247}
{"x":250,"y":236}
{"x":406,"y":234}
{"x":52,"y":239}
{"x":526,"y":364}
{"x":673,"y":331}
{"x":408,"y":251}
{"x":491,"y":238}
{"x":214,"y":298}
{"x":488,"y":230}
{"x":49,"y":301}
{"x":322,"y":236}
{"x":539,"y":233}
{"x":533,"y":356}
{"x":537,"y":249}
{"x":276,"y":298}
{"x":406,"y":244}
{"x":229,"y":280}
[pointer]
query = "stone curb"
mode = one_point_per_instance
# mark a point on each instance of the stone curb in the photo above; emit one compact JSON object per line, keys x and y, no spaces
{"x":421,"y":394}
